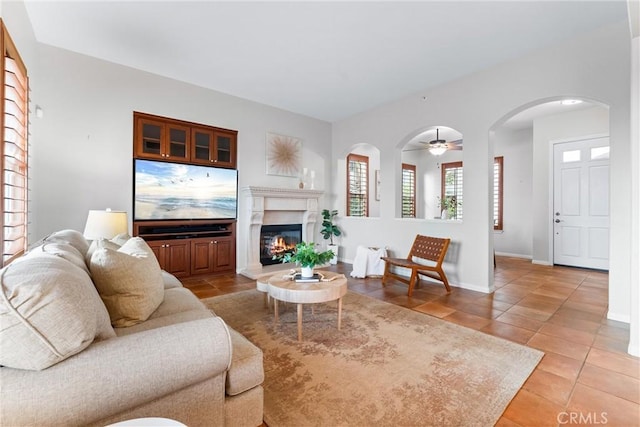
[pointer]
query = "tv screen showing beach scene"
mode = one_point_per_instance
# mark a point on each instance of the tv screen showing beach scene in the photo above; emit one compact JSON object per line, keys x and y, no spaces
{"x":165,"y":191}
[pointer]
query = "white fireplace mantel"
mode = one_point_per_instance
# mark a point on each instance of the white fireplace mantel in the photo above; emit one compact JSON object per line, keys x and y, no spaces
{"x":270,"y":206}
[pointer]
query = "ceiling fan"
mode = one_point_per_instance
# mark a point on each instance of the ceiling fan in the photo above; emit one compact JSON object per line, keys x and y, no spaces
{"x":438,"y":146}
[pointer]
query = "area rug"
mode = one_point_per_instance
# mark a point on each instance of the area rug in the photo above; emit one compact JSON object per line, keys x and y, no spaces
{"x":387,"y":366}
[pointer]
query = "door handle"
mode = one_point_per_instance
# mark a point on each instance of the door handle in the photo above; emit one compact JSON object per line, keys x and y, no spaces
{"x":557,"y":220}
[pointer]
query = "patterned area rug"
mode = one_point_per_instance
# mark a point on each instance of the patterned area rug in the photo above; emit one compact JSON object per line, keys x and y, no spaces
{"x":388,"y":366}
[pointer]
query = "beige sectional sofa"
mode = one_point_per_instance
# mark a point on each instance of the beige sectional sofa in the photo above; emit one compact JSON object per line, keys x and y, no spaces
{"x":63,"y":364}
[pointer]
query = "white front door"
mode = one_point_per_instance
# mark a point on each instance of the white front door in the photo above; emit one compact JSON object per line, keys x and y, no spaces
{"x":581,"y":203}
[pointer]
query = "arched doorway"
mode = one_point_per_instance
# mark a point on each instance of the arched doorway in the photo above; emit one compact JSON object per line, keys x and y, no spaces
{"x":526,"y":137}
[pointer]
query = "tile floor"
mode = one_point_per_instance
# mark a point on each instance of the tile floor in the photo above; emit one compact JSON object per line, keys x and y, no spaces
{"x":586,"y":377}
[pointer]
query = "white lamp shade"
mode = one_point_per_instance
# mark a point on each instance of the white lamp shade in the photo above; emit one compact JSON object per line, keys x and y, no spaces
{"x":105,"y":224}
{"x":438,"y":149}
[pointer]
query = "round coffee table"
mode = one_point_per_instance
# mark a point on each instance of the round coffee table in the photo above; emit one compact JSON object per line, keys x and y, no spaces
{"x":287,"y":290}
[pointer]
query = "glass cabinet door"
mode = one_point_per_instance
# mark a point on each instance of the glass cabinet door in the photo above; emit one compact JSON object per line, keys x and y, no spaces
{"x":178,"y":142}
{"x":202,"y":142}
{"x":225,"y":149}
{"x":149,"y":138}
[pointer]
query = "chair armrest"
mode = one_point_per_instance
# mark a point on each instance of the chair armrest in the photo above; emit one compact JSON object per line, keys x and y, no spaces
{"x":114,"y":375}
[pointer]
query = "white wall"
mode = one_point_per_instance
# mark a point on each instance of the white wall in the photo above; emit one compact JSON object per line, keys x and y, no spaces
{"x":516,"y":147}
{"x":634,"y":330}
{"x":82,"y":147}
{"x":475,"y":105}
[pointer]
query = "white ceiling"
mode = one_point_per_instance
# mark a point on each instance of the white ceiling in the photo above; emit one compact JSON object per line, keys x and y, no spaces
{"x":327,"y":60}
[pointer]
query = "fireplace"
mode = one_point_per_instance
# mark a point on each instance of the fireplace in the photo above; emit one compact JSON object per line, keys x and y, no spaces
{"x":278,"y":240}
{"x":273,"y":206}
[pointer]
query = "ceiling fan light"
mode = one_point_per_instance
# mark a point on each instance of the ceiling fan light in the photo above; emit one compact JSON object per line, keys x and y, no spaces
{"x":438,"y":146}
{"x":437,"y":149}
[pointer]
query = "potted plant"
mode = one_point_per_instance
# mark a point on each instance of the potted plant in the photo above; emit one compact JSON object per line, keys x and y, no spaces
{"x":449,"y":207}
{"x":307,"y":257}
{"x":329,"y":229}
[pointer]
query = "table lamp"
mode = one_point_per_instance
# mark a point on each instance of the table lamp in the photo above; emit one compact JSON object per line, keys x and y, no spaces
{"x":105,"y":224}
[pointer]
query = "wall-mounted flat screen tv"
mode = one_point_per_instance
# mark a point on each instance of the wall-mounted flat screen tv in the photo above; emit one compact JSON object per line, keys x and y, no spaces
{"x":164,"y":191}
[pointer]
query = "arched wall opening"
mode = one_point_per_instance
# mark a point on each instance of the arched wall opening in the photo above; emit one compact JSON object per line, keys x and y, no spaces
{"x":525,"y":138}
{"x":341,"y":183}
{"x":426,"y":191}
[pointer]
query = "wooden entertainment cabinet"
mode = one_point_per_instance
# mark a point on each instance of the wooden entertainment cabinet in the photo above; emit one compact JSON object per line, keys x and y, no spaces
{"x":184,"y":248}
{"x":187,"y":247}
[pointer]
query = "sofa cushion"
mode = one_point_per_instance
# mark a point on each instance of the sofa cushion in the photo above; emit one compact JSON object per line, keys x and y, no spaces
{"x":170,"y":281}
{"x":71,"y":237}
{"x":160,"y":322}
{"x":177,"y":300}
{"x":246,"y":371}
{"x":62,"y":250}
{"x":129,"y":281}
{"x":49,"y":310}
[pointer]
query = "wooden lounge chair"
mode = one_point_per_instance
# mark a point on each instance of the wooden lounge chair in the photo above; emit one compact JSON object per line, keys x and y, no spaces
{"x":426,"y":257}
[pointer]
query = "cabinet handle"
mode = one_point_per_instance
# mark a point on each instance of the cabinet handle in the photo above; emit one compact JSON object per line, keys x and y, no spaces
{"x":215,"y":241}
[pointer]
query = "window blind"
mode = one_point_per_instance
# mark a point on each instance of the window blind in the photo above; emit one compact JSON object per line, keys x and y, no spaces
{"x":358,"y":188}
{"x":497,"y":193}
{"x":408,"y":191}
{"x":14,"y":154}
{"x":452,"y":188}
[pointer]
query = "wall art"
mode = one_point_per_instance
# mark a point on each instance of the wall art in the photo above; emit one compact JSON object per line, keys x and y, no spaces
{"x":284,"y":155}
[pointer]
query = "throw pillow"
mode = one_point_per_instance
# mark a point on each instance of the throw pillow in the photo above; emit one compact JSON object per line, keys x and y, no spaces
{"x":49,"y":311}
{"x":121,"y":239}
{"x":129,"y":281}
{"x":100,"y":243}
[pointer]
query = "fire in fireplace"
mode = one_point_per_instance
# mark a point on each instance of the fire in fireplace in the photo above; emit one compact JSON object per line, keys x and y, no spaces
{"x":277,"y":240}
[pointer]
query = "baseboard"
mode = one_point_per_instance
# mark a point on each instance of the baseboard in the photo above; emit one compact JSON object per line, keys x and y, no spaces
{"x":634,"y":350}
{"x":624,"y":318}
{"x":541,"y":262}
{"x":472,"y":287}
{"x":508,"y":254}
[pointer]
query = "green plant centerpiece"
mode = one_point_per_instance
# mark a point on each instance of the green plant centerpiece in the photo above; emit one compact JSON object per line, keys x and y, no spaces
{"x":329,"y":229}
{"x":306,"y":256}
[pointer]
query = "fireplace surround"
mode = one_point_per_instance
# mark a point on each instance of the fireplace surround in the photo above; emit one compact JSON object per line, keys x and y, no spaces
{"x":275,"y":206}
